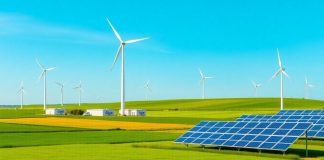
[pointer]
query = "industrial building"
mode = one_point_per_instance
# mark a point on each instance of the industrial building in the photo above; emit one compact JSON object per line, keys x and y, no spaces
{"x":99,"y":112}
{"x":55,"y":111}
{"x":135,"y":112}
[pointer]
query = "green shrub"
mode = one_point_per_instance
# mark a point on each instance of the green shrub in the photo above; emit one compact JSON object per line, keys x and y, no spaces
{"x":76,"y":112}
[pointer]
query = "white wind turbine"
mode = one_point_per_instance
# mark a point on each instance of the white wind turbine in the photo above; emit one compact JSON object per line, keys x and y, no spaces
{"x":281,"y":72}
{"x":79,"y":87}
{"x":256,"y":86}
{"x":44,"y":76}
{"x":121,"y":50}
{"x":62,"y":91}
{"x":202,"y":82}
{"x":21,"y":91}
{"x":307,"y":87}
{"x":147,"y":89}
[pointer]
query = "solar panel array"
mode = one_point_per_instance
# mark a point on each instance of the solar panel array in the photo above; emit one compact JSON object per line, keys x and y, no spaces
{"x":301,"y":112}
{"x":256,"y":135}
{"x":316,"y":131}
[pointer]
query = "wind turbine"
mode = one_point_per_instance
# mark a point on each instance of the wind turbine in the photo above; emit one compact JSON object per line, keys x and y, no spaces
{"x":307,"y":87}
{"x":79,"y":87}
{"x":21,"y":91}
{"x":256,"y":86}
{"x":62,"y":91}
{"x":121,"y":50}
{"x":147,"y":89}
{"x":44,"y":76}
{"x":202,"y":82}
{"x":282,"y":73}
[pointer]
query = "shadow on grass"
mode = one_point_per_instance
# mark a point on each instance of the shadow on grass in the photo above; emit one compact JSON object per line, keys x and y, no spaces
{"x":311,"y":153}
{"x":225,"y":150}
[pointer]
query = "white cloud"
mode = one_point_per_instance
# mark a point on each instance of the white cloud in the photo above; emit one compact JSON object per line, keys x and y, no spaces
{"x":21,"y":25}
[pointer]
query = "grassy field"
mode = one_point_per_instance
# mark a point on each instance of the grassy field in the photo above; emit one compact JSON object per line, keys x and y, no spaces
{"x":119,"y":151}
{"x":232,"y":104}
{"x":40,"y":141}
{"x":21,"y":128}
{"x":9,"y":140}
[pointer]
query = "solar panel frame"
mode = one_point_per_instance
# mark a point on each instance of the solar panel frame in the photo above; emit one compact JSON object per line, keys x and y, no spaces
{"x":252,"y":140}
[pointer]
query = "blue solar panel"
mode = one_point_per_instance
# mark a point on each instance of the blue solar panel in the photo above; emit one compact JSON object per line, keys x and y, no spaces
{"x":301,"y":112}
{"x":256,"y":135}
{"x":316,"y":131}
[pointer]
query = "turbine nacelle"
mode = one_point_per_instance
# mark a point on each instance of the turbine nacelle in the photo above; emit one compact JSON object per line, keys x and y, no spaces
{"x":256,"y":85}
{"x":44,"y":70}
{"x":122,"y":42}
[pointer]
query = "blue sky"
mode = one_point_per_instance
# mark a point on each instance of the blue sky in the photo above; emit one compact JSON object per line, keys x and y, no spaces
{"x":233,"y":41}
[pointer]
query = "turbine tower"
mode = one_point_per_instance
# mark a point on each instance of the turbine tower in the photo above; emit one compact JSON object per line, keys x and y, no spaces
{"x":202,"y":82}
{"x":44,"y":76}
{"x":307,"y":87}
{"x":62,"y":91}
{"x":121,"y":50}
{"x":256,"y":86}
{"x":147,"y":89}
{"x":79,"y":87}
{"x":21,"y":91}
{"x":282,"y":73}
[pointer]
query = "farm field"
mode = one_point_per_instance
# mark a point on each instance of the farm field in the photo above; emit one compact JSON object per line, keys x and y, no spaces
{"x":21,"y":128}
{"x":9,"y":140}
{"x":112,"y":151}
{"x":28,"y":134}
{"x":96,"y":124}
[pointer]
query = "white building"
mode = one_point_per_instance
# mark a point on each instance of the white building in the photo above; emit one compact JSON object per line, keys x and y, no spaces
{"x":55,"y":111}
{"x":99,"y":112}
{"x":135,"y":112}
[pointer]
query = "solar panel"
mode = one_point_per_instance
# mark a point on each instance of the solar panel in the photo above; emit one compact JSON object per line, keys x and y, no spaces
{"x":301,"y":112}
{"x":255,"y":135}
{"x":316,"y":131}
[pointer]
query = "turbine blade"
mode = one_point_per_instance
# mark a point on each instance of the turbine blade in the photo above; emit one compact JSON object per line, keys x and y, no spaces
{"x":276,"y":74}
{"x":114,"y":30}
{"x":39,"y":64}
{"x":284,"y":72}
{"x":20,"y":90}
{"x":147,"y":83}
{"x":42,"y":75}
{"x":201,"y":81}
{"x":208,"y":77}
{"x":201,"y":74}
{"x":279,"y":60}
{"x":49,"y":69}
{"x":116,"y":56}
{"x":254,"y":84}
{"x":135,"y":40}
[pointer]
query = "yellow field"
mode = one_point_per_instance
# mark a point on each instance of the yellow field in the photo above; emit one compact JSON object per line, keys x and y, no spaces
{"x":96,"y":124}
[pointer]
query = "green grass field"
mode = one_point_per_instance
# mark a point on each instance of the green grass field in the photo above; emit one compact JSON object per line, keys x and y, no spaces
{"x":21,"y":128}
{"x":81,"y":137}
{"x":44,"y":142}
